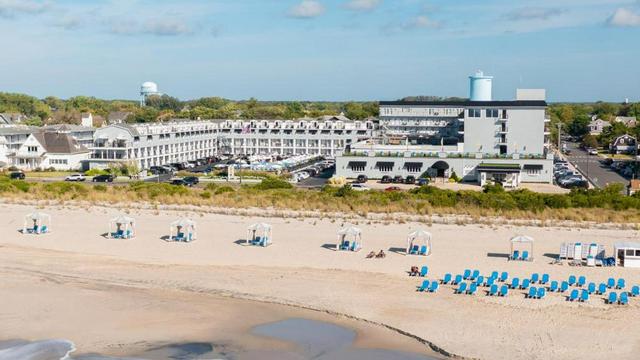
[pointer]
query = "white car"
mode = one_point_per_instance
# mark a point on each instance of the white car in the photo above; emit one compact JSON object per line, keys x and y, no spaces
{"x":360,"y":187}
{"x":593,"y":152}
{"x":75,"y":177}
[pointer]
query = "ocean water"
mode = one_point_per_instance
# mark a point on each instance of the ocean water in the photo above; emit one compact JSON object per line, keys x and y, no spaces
{"x":310,"y":339}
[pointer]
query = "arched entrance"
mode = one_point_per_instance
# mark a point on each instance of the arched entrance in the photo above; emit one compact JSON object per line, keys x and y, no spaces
{"x":440,"y":168}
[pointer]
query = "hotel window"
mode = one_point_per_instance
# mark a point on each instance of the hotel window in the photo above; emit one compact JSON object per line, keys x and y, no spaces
{"x":492,"y":113}
{"x":532,"y":169}
{"x":474,"y":113}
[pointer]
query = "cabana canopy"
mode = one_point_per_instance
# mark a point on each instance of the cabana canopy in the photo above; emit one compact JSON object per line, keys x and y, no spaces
{"x":259,"y":234}
{"x":519,"y":241}
{"x":349,"y":238}
{"x":183,"y":230}
{"x":36,"y":223}
{"x":419,"y":243}
{"x":124,"y":227}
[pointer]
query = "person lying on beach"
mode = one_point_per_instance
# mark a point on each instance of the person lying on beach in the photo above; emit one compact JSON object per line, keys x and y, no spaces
{"x":371,"y":255}
{"x":381,"y":255}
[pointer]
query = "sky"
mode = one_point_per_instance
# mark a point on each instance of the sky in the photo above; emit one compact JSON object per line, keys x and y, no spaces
{"x":322,"y":50}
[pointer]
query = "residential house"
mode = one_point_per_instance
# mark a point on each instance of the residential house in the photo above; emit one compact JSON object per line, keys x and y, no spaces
{"x":597,"y":125}
{"x":624,"y":144}
{"x":117,"y":117}
{"x":11,"y":118}
{"x":629,"y":121}
{"x":48,"y":149}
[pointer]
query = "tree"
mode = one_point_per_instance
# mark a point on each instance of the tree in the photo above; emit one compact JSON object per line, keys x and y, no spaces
{"x":164,"y":102}
{"x":590,"y":141}
{"x":579,"y":126}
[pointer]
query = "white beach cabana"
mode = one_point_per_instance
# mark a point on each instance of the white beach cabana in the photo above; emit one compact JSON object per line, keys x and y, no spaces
{"x":37,"y":223}
{"x":627,"y":254}
{"x":182,"y":230}
{"x":259,"y":234}
{"x":122,"y":227}
{"x":349,"y":239}
{"x":521,"y":248}
{"x":419,"y":243}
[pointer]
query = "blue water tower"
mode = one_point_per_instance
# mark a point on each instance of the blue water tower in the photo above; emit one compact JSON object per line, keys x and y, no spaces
{"x":480,"y":87}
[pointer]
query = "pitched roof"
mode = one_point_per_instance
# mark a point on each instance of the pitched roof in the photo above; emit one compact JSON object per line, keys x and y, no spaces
{"x":59,"y":143}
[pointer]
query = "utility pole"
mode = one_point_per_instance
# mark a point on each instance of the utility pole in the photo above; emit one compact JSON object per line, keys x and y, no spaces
{"x":559,"y":131}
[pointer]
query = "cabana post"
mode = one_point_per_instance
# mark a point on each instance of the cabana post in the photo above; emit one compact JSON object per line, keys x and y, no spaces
{"x":122,"y":227}
{"x":519,"y":241}
{"x":183,"y":230}
{"x":37,"y":223}
{"x":259,"y":234}
{"x":419,"y":243}
{"x":349,"y":239}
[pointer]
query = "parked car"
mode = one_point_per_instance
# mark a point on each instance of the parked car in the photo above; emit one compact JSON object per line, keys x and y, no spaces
{"x":398,"y":179}
{"x":360,"y":187}
{"x":410,"y":179}
{"x":592,"y":151}
{"x":181,"y":182}
{"x":423,"y":181}
{"x":386,"y":179}
{"x":103,"y":178}
{"x":581,"y":183}
{"x":194,"y":180}
{"x":362,"y":179}
{"x":393,"y":188}
{"x":607,"y":161}
{"x":569,"y":179}
{"x":17,"y":175}
{"x":75,"y":177}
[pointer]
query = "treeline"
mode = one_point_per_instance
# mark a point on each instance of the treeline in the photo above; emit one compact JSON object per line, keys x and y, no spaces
{"x":52,"y":110}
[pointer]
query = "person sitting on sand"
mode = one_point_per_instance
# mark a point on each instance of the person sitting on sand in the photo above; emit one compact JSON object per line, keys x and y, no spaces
{"x":371,"y":255}
{"x":381,"y":255}
{"x":414,"y":271}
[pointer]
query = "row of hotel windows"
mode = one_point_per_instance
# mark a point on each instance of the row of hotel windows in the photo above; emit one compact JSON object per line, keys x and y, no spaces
{"x":490,"y":113}
{"x":58,"y":162}
{"x":418,"y":110}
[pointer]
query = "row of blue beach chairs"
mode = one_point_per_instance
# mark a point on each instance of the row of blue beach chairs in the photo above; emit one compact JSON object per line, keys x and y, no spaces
{"x":520,"y":257}
{"x":429,"y":286}
{"x":38,"y":229}
{"x":418,"y":250}
{"x":121,"y":234}
{"x":182,"y":237}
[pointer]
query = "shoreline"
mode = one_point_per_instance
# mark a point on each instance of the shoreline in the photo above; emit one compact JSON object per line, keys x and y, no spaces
{"x":299,"y":271}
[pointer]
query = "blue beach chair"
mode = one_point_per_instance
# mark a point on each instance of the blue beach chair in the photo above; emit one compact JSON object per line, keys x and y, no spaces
{"x":611,"y":283}
{"x":423,"y":250}
{"x":424,"y":286}
{"x":423,"y":271}
{"x":462,"y":288}
{"x":535,"y":278}
{"x":504,"y":276}
{"x":624,"y":299}
{"x":591,"y":288}
{"x":516,"y":255}
{"x":553,"y":287}
{"x":414,"y":250}
{"x":533,"y":292}
{"x":635,"y":291}
{"x":613,"y":297}
{"x":345,"y":244}
{"x":493,"y":290}
{"x":457,"y":280}
{"x":581,"y":281}
{"x":620,"y":284}
{"x":515,"y":283}
{"x":572,"y":280}
{"x":584,"y":295}
{"x":434,"y":287}
{"x":466,"y":274}
{"x":490,"y":282}
{"x":541,"y":293}
{"x":447,"y":278}
{"x":525,"y":284}
{"x":504,"y":290}
{"x":574,"y":295}
{"x":602,"y":288}
{"x":525,"y":255}
{"x":564,"y":286}
{"x":475,"y":274}
{"x":472,"y":289}
{"x":545,"y":279}
{"x":494,"y":274}
{"x":479,"y":280}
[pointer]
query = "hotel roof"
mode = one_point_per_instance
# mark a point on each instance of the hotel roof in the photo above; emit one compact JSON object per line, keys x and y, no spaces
{"x":468,"y":103}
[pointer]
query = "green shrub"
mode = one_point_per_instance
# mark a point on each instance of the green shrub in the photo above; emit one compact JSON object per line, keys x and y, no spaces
{"x":205,"y":195}
{"x":96,"y":172}
{"x":100,"y":188}
{"x":210,"y":186}
{"x":224,"y":189}
{"x":345,"y":191}
{"x":21,"y":185}
{"x":273,"y":183}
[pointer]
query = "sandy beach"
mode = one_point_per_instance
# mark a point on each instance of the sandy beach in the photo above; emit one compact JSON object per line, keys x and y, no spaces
{"x":55,"y":282}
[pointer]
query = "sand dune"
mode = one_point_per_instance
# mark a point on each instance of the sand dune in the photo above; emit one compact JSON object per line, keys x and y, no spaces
{"x":301,"y":269}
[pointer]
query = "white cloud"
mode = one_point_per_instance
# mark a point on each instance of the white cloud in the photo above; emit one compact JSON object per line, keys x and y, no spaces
{"x":423,"y":22}
{"x":624,"y":17}
{"x":533,"y":13}
{"x":156,"y":26}
{"x":9,"y":8}
{"x":362,"y":5}
{"x":307,"y":9}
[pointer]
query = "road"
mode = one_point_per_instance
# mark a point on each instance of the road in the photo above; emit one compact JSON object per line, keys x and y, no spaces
{"x":599,"y":174}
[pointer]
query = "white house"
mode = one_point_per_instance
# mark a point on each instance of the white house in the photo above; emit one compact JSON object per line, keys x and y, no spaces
{"x":50,"y":150}
{"x":597,"y":125}
{"x":623,"y":144}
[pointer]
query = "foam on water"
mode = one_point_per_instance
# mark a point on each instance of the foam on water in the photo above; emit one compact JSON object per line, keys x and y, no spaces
{"x":36,"y":350}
